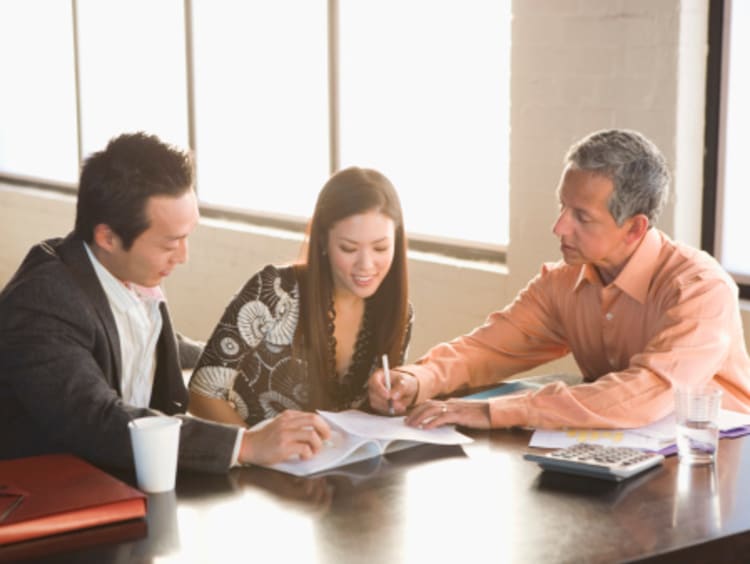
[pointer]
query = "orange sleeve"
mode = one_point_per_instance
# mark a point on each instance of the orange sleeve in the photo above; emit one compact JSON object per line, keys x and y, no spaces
{"x":523,"y":335}
{"x":689,"y":347}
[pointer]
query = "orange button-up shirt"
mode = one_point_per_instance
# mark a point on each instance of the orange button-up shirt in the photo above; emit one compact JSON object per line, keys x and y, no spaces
{"x":670,"y":318}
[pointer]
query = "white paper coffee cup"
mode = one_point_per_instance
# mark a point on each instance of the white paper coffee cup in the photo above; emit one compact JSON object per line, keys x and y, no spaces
{"x":155,"y":441}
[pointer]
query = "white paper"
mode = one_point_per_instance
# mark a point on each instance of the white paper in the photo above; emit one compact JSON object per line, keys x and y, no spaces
{"x":655,"y":436}
{"x":392,"y":428}
{"x":356,"y":435}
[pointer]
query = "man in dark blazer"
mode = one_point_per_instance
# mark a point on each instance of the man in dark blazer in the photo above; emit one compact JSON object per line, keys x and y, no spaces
{"x":75,"y":367}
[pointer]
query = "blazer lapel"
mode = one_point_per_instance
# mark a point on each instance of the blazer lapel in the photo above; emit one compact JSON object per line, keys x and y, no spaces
{"x":168,"y":393}
{"x":74,"y":255}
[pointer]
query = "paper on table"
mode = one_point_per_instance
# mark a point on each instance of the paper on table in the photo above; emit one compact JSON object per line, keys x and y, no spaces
{"x":356,"y":436}
{"x":655,"y":436}
{"x":392,"y":428}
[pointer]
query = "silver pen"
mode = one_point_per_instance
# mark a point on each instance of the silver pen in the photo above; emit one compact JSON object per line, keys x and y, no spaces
{"x":387,"y":373}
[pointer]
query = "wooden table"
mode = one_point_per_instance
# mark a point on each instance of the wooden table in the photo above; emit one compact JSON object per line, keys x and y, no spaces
{"x":432,"y":504}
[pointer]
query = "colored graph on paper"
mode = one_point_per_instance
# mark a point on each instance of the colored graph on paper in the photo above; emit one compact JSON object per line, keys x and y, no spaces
{"x":655,"y":436}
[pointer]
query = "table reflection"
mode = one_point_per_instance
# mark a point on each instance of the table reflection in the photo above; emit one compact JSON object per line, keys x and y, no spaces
{"x":705,"y":495}
{"x":437,"y":504}
{"x":163,"y":530}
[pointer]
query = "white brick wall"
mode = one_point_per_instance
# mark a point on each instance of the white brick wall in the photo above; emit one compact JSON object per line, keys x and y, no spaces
{"x":583,"y":65}
{"x":27,"y":217}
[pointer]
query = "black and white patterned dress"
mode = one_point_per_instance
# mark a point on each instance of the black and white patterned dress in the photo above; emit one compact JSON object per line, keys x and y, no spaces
{"x":249,"y":358}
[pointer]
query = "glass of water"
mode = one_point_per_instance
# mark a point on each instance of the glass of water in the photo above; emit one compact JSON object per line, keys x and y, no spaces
{"x":697,"y":418}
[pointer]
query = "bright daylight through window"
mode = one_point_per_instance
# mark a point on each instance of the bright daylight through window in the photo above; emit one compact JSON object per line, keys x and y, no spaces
{"x":272,"y":95}
{"x":733,"y":229}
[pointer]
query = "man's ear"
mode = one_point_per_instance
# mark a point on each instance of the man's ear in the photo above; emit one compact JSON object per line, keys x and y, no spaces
{"x":637,"y":228}
{"x":104,"y":237}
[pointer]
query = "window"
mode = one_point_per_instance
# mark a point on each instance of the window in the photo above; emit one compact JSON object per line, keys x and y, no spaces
{"x":261,"y":109}
{"x":424,"y":98}
{"x":38,"y":94}
{"x":132,"y":70}
{"x":273,"y":97}
{"x":726,"y":229}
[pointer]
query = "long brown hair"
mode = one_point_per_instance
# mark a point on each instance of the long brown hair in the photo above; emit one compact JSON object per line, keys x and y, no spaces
{"x":348,"y":192}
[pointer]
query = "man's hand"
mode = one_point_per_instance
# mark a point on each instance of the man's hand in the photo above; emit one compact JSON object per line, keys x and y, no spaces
{"x":291,"y":433}
{"x":404,"y":388}
{"x":468,"y":413}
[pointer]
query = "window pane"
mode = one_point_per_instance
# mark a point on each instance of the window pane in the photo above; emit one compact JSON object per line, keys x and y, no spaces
{"x":37,"y":97}
{"x":132,"y":70}
{"x":424,"y":98}
{"x":735,"y":197}
{"x":261,"y":103}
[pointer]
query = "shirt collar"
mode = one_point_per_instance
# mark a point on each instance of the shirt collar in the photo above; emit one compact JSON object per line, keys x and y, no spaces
{"x":122,"y":296}
{"x":587,"y":273}
{"x":635,"y":277}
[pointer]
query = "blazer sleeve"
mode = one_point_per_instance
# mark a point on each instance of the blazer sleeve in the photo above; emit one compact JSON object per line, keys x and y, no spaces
{"x":61,"y":390}
{"x":189,"y":351}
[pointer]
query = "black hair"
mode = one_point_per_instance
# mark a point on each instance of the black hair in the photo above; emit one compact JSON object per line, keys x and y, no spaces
{"x":117,"y":182}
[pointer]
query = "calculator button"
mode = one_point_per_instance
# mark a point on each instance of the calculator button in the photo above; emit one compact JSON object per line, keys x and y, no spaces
{"x":612,"y":463}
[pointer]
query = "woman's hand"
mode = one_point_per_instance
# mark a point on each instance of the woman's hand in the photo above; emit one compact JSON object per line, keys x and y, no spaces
{"x":403,"y":393}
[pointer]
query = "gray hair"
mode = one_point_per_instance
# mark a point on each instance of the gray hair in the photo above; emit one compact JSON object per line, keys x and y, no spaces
{"x":635,"y":165}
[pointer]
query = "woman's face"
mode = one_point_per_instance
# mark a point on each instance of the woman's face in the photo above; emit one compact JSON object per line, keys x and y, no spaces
{"x":360,"y":251}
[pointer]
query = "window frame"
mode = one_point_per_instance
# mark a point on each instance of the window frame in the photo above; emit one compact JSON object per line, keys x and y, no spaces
{"x":451,"y":248}
{"x":716,"y":85}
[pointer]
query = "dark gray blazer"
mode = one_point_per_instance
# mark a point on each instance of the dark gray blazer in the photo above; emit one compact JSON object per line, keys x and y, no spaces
{"x":60,"y":369}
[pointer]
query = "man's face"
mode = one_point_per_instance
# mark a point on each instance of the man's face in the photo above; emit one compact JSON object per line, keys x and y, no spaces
{"x":161,"y":247}
{"x":586,"y":229}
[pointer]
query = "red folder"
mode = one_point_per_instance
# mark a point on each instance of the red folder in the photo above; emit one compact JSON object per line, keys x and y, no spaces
{"x":62,"y":493}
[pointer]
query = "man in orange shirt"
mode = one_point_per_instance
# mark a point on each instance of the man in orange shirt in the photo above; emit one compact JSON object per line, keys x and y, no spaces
{"x":640,"y":313}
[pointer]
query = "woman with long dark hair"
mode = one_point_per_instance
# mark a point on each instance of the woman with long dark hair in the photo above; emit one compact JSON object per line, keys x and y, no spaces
{"x":308,"y":336}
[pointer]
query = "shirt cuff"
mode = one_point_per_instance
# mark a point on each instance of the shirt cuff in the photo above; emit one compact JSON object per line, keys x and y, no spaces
{"x":235,"y":462}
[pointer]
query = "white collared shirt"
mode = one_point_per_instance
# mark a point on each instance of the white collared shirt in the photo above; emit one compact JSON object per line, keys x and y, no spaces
{"x":139,"y":323}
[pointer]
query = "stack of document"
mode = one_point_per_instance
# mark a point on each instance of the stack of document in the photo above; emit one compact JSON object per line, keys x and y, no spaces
{"x":356,"y":436}
{"x":658,"y":436}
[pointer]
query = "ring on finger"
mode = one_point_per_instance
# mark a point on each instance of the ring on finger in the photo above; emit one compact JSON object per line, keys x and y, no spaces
{"x":444,"y":408}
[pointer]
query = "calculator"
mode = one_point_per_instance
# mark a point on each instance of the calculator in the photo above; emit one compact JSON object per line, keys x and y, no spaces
{"x":596,"y":461}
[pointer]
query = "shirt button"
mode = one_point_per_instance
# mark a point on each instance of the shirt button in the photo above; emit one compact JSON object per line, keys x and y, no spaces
{"x":609,"y":316}
{"x":611,"y":361}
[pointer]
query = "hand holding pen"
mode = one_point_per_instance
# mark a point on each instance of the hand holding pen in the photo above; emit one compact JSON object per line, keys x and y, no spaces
{"x":392,"y":391}
{"x":387,"y":375}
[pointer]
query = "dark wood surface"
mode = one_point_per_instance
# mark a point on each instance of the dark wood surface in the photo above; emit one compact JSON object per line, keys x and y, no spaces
{"x":480,"y":503}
